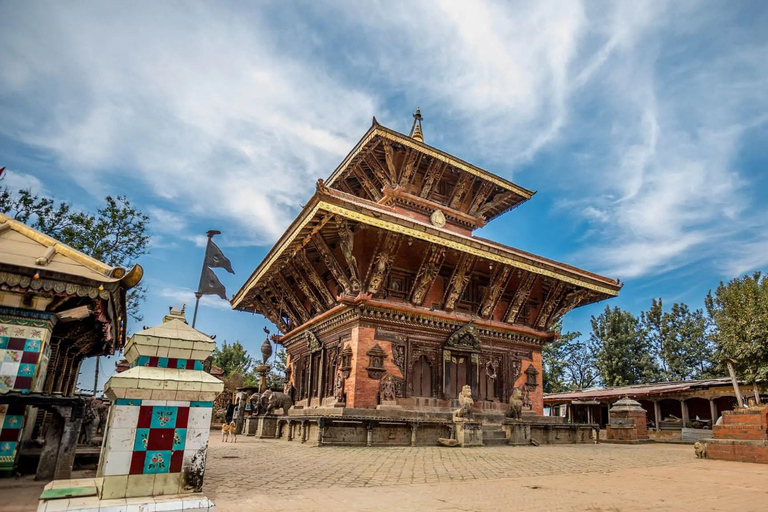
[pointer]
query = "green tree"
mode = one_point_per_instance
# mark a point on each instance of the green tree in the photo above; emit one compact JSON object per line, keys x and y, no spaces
{"x":276,"y":375}
{"x":678,"y":339}
{"x":117,"y":234}
{"x":568,"y":364}
{"x":623,"y":355}
{"x":232,"y":359}
{"x":739,"y":311}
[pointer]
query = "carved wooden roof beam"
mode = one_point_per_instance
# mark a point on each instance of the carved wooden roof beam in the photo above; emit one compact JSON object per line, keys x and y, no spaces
{"x":305,"y":288}
{"x":332,"y":264}
{"x":382,"y":260}
{"x":459,"y":280}
{"x":496,"y":286}
{"x":428,"y":271}
{"x":553,"y":296}
{"x":520,"y":296}
{"x":314,"y":277}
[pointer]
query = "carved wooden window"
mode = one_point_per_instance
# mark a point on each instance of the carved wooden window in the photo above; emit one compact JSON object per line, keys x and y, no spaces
{"x":422,"y":377}
{"x":531,"y":376}
{"x":376,"y":358}
{"x":346,"y":361}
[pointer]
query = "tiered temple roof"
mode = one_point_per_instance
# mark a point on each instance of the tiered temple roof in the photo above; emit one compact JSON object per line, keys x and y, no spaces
{"x":393,"y":226}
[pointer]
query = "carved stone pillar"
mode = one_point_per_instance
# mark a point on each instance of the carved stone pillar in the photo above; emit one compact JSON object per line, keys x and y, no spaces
{"x":414,"y":431}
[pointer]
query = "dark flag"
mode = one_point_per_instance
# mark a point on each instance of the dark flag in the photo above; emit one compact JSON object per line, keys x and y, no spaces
{"x":214,"y":258}
{"x":209,"y":283}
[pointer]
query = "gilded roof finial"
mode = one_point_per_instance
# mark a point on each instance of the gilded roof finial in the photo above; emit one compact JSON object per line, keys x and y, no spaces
{"x":416,"y":128}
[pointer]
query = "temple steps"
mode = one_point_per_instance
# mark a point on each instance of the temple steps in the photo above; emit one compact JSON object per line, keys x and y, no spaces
{"x":493,"y":435}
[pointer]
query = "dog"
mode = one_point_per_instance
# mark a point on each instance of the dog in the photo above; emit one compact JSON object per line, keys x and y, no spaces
{"x":700,"y":449}
{"x":228,"y":430}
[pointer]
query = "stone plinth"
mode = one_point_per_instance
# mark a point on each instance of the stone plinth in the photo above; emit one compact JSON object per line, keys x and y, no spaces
{"x":468,"y":433}
{"x":546,"y":430}
{"x":628,"y":422}
{"x":742,"y":436}
{"x":266,"y":427}
{"x":156,"y":439}
{"x":251,"y":422}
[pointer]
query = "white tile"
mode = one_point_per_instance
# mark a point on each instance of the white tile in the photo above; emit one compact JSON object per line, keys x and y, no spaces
{"x":199,"y":417}
{"x":117,"y":505}
{"x":121,"y":439}
{"x":145,"y":504}
{"x":125,"y":416}
{"x":117,"y":463}
{"x":174,"y":505}
{"x":195,"y":503}
{"x":178,"y":403}
{"x":196,"y":438}
{"x":57,"y":505}
{"x":154,"y":402}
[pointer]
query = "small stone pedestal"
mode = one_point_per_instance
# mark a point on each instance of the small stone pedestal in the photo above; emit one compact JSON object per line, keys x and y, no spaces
{"x":251,"y":423}
{"x":266,"y":427}
{"x":628,"y":423}
{"x":389,"y":405}
{"x":156,"y":438}
{"x":468,"y":433}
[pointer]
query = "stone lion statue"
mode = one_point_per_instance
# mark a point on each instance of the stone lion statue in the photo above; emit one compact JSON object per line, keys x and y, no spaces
{"x":515,"y":410}
{"x":465,"y":404}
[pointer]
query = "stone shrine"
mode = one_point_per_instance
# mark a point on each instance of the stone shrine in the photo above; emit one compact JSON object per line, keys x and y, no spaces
{"x":156,"y":440}
{"x":389,"y":306}
{"x":628,"y":422}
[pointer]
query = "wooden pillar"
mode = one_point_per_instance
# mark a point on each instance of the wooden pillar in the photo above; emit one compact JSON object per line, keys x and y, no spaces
{"x":46,"y":466}
{"x":735,"y":383}
{"x":684,"y":409}
{"x":713,"y":410}
{"x":657,"y":414}
{"x":320,"y":376}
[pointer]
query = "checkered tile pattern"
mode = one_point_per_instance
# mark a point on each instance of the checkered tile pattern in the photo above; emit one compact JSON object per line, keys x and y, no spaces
{"x":154,"y":437}
{"x":19,"y":359}
{"x":168,"y":362}
{"x":11,"y":422}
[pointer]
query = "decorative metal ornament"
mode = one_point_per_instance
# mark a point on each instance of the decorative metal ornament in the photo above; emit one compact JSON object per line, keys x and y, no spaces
{"x":437,"y":218}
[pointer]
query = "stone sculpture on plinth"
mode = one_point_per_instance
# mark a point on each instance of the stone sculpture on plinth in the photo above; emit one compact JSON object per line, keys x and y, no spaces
{"x":467,"y":431}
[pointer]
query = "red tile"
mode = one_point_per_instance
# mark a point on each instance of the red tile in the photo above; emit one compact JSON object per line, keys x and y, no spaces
{"x":145,"y":416}
{"x":153,"y":361}
{"x":182,"y":417}
{"x":30,"y":357}
{"x":176,"y":459}
{"x":172,"y":361}
{"x":23,"y":383}
{"x":160,"y":439}
{"x":9,"y":434}
{"x":137,"y":463}
{"x":190,"y":364}
{"x":16,"y":343}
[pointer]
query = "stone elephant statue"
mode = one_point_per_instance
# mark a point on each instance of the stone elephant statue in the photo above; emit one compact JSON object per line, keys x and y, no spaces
{"x":276,"y":400}
{"x":94,"y":416}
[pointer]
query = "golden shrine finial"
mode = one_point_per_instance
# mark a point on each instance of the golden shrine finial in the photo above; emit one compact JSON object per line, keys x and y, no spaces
{"x":416,"y":128}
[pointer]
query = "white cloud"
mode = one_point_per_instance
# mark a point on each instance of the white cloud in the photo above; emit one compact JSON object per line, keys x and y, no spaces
{"x":16,"y":181}
{"x":233,"y":115}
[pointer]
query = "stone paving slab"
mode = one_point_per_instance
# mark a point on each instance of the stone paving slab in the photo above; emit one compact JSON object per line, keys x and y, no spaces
{"x":273,"y":475}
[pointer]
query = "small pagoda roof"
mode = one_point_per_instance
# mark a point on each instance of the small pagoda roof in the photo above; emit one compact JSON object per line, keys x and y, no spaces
{"x":26,"y":247}
{"x":377,"y":132}
{"x":327,"y":202}
{"x":637,"y":390}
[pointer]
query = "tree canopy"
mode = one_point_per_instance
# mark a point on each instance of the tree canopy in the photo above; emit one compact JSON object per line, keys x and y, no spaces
{"x":739,"y":311}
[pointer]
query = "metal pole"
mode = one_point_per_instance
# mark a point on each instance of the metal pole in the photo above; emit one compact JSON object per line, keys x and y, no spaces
{"x":96,"y":377}
{"x":197,"y":303}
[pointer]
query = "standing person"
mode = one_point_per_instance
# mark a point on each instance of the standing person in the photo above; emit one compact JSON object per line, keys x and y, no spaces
{"x":230,"y":412}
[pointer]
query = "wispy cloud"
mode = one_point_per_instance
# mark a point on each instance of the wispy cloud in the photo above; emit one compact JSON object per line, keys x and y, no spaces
{"x":180,"y":296}
{"x":635,"y":112}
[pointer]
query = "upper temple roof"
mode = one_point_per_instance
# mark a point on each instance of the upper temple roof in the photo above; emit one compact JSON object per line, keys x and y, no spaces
{"x":391,"y":168}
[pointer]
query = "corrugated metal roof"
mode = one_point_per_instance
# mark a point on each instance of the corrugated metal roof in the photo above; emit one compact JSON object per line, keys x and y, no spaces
{"x":655,"y":388}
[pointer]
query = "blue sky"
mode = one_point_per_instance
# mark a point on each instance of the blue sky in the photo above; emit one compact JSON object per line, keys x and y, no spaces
{"x":642,"y":125}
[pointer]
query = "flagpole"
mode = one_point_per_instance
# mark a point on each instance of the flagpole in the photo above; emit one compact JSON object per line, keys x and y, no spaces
{"x":199,"y":293}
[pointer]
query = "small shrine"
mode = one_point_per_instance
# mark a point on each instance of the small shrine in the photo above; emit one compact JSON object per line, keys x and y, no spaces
{"x":156,"y":440}
{"x":628,"y":422}
{"x":58,"y":306}
{"x":389,"y":306}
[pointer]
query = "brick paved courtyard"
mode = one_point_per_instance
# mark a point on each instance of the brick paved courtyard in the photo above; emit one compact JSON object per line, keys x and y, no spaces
{"x":270,"y":475}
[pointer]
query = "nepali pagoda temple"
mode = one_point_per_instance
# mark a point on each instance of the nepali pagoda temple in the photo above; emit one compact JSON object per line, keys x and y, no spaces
{"x":383,"y":294}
